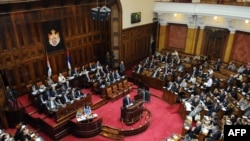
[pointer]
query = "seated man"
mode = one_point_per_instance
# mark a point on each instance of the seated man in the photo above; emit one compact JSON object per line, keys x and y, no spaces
{"x":194,"y":132}
{"x":51,"y":105}
{"x":139,"y":69}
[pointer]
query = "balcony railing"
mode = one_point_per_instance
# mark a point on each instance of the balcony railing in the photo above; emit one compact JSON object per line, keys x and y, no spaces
{"x":224,"y":2}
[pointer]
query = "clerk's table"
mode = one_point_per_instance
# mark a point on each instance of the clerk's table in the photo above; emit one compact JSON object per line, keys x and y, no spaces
{"x":86,"y":126}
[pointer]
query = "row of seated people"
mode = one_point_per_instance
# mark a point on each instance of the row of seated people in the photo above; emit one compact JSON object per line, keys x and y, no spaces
{"x":103,"y":77}
{"x":50,"y":98}
{"x":57,"y":92}
{"x":202,"y":78}
{"x":222,"y":100}
{"x":22,"y":133}
{"x":5,"y":136}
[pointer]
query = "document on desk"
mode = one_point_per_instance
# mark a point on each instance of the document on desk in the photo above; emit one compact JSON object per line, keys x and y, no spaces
{"x":129,"y":105}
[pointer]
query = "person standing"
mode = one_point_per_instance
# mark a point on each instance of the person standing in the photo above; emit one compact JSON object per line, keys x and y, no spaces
{"x":126,"y":100}
{"x":122,"y":68}
{"x":11,"y":95}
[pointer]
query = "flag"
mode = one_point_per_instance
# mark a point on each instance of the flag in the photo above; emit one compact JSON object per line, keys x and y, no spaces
{"x":68,"y":60}
{"x":49,"y":68}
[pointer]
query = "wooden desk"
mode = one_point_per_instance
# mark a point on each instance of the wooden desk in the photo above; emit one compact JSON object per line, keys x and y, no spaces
{"x":148,"y":80}
{"x":86,"y":129}
{"x":131,"y":114}
{"x":70,"y":110}
{"x":169,"y":96}
{"x":182,"y":111}
{"x":77,"y":82}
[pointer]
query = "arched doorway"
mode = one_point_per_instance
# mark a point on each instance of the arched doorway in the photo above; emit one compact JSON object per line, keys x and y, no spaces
{"x":215,"y":42}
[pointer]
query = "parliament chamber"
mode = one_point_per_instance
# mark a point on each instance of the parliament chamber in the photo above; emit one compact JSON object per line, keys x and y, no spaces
{"x":56,"y":57}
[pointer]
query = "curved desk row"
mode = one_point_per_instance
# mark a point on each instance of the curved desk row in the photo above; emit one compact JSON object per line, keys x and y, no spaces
{"x":86,"y":128}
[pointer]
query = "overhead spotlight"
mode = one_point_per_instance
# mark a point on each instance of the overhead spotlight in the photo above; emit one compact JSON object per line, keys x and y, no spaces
{"x":101,"y":14}
{"x":246,"y":21}
{"x":95,"y":13}
{"x":104,"y":13}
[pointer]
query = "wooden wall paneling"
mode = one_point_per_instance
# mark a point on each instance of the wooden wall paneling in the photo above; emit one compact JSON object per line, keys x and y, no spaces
{"x":19,"y":72}
{"x":8,"y":31}
{"x":65,"y":28}
{"x":73,"y":55}
{"x":30,"y":26}
{"x":24,"y":29}
{"x":32,"y":77}
{"x":74,"y":21}
{"x":88,"y":54}
{"x":80,"y":56}
{"x":79,"y":19}
{"x":61,"y":61}
{"x":19,"y":34}
{"x":17,"y":58}
{"x":14,"y":22}
{"x":69,"y":25}
{"x":1,"y":62}
{"x":40,"y":69}
{"x":2,"y":40}
{"x":8,"y":61}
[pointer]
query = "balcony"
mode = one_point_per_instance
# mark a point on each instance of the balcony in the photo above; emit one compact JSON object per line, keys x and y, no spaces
{"x":223,"y":2}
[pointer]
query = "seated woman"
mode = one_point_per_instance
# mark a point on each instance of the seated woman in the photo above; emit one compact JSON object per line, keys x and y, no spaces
{"x":87,"y":110}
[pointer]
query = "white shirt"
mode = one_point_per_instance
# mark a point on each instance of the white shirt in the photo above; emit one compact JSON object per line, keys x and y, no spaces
{"x":192,"y":80}
{"x":209,"y":82}
{"x":61,"y":79}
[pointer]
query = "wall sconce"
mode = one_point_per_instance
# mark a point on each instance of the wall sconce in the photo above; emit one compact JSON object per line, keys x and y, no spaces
{"x":215,"y":17}
{"x":246,"y":21}
{"x":175,"y":14}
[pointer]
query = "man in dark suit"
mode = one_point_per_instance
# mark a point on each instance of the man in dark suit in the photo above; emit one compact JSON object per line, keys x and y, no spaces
{"x":139,"y":69}
{"x":12,"y":94}
{"x":126,"y":100}
{"x":41,"y":103}
{"x":194,"y":132}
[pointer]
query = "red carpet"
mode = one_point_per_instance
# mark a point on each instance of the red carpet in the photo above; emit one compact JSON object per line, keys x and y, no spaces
{"x":161,"y":126}
{"x":95,"y":97}
{"x":165,"y":119}
{"x":156,"y":92}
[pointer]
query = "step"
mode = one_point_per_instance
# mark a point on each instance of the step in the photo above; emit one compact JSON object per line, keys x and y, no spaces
{"x":99,"y":104}
{"x":110,"y":130}
{"x":111,"y":136}
{"x":30,"y":109}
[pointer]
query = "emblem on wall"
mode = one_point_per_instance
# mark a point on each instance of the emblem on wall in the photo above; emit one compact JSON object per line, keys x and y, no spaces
{"x":54,"y":38}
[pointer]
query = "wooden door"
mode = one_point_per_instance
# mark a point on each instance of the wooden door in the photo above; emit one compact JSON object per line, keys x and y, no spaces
{"x":215,"y":41}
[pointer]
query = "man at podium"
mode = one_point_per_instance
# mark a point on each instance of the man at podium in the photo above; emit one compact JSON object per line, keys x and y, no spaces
{"x":127,"y":101}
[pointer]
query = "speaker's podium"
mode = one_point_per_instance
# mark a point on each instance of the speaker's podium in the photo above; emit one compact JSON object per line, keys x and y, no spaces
{"x":132,"y":113}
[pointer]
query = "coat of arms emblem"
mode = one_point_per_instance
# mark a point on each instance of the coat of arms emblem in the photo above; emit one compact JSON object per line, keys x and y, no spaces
{"x":54,"y":38}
